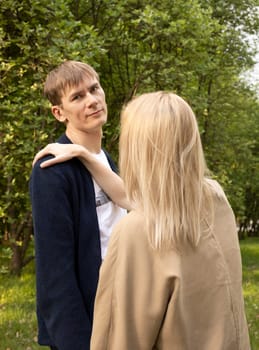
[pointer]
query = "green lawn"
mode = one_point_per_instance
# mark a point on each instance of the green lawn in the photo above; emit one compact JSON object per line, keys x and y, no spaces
{"x":250,"y":257}
{"x":18,"y":329}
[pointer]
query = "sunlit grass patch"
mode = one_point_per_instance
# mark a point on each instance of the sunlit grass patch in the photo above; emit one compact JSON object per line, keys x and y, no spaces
{"x":18,"y":328}
{"x":250,"y":257}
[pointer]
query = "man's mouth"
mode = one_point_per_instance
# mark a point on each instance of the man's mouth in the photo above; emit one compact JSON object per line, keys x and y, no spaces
{"x":95,"y":113}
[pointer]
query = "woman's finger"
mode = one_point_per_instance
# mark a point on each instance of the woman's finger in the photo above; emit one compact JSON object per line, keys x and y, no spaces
{"x":58,"y":159}
{"x":39,"y":155}
{"x":44,"y":152}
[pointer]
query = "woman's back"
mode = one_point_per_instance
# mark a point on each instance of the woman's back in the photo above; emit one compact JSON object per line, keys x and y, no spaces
{"x":172,"y":301}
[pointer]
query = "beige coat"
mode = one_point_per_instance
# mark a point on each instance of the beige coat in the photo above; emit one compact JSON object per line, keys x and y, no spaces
{"x":193,"y":301}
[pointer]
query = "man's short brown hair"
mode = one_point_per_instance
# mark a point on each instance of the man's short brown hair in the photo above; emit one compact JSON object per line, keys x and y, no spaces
{"x":68,"y":74}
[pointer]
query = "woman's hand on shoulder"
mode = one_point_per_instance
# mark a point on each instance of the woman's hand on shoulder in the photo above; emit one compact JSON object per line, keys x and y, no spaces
{"x":61,"y":153}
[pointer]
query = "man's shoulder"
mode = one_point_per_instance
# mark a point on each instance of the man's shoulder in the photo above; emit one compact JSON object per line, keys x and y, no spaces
{"x":71,"y":167}
{"x":68,"y":177}
{"x":68,"y":172}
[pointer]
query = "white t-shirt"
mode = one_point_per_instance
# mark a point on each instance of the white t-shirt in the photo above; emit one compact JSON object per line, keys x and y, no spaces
{"x":108,"y":213}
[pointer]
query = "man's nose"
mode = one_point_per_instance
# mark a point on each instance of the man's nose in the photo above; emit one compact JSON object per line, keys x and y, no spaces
{"x":91,"y":99}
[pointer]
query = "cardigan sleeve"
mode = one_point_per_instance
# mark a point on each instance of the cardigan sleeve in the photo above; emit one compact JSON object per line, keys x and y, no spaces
{"x":136,"y":284}
{"x":59,"y":299}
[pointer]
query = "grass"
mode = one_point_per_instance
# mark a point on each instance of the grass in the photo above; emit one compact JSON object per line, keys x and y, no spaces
{"x":250,"y":257}
{"x":18,"y":328}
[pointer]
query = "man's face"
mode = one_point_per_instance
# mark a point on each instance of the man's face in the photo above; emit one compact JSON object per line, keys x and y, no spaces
{"x":83,"y":108}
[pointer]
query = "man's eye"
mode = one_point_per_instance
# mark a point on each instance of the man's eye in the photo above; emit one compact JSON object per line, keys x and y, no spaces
{"x":76,"y":97}
{"x":95,"y":88}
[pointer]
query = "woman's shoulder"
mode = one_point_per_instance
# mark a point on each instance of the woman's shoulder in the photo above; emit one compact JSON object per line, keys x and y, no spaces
{"x":222,"y":208}
{"x":131,"y":229}
{"x":130,"y":223}
{"x":216,"y":189}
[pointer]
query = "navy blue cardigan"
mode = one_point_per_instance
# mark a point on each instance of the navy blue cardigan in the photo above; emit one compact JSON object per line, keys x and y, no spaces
{"x":68,"y":253}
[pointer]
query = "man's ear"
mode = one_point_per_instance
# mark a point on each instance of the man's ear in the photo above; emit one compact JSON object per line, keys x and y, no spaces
{"x":58,"y":113}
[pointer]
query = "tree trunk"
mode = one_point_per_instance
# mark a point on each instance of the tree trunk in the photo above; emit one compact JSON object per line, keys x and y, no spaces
{"x":16,"y":263}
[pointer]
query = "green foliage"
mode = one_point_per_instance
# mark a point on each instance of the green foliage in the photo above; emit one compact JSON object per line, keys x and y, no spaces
{"x":231,"y":141}
{"x":156,"y":46}
{"x":196,"y":48}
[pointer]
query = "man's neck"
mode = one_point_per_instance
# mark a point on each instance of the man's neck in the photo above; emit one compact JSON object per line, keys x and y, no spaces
{"x":92,"y":141}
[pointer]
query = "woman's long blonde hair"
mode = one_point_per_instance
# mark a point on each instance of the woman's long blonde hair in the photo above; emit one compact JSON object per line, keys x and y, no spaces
{"x":163,"y":167}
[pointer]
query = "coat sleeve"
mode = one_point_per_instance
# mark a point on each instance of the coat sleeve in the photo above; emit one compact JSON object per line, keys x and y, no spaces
{"x":133,"y":293}
{"x":59,"y":300}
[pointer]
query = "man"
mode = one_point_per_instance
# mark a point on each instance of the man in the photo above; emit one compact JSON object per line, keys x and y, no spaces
{"x":72,"y":216}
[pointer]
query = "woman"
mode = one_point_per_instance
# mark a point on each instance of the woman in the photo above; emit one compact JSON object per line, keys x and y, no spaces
{"x":172,"y":277}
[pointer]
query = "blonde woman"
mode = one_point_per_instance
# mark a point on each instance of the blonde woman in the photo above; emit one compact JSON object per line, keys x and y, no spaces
{"x":172,"y":277}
